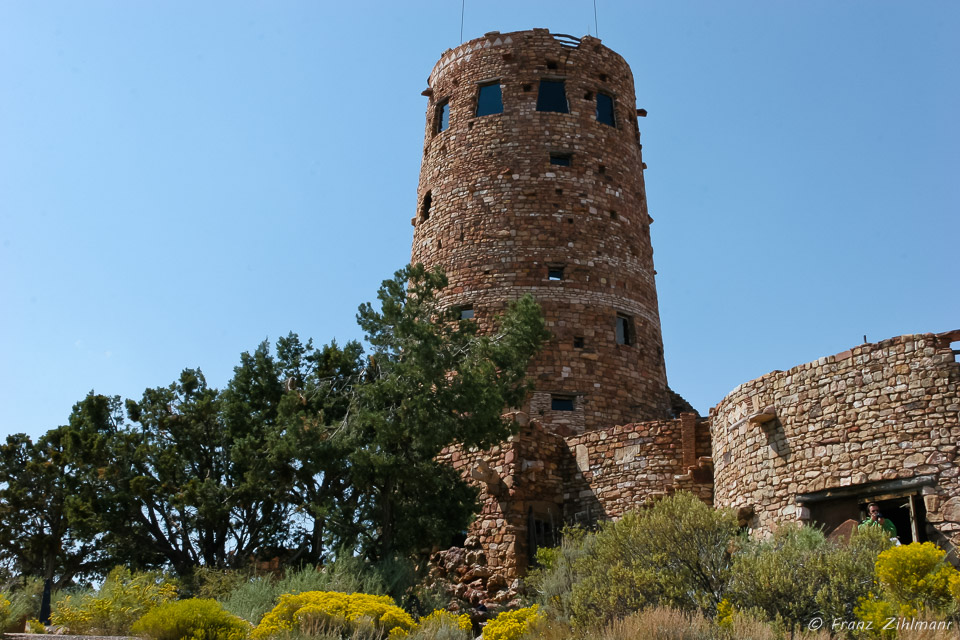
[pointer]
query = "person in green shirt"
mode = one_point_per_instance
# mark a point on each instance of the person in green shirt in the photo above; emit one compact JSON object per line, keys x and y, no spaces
{"x":877,"y":520}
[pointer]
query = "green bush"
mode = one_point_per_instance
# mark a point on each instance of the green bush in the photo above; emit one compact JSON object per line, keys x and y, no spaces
{"x":553,"y":580}
{"x":6,"y":613}
{"x":23,"y":596}
{"x":193,"y":619}
{"x":797,"y":574}
{"x":120,"y":601}
{"x":676,"y":553}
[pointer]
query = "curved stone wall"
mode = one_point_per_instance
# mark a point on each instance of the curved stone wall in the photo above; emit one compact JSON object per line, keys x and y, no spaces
{"x":503,"y":219}
{"x":878,"y":419}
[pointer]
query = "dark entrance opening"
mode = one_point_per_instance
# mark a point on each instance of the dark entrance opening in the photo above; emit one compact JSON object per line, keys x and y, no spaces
{"x":900,"y":502}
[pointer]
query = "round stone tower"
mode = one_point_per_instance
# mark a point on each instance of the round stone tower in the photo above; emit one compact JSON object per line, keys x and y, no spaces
{"x":532,"y":182}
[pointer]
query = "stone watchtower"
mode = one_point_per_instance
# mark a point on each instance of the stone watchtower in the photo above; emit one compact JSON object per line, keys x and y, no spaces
{"x":532,"y":182}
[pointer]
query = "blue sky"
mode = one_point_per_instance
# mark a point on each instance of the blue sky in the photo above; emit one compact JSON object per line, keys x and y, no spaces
{"x":181,"y":180}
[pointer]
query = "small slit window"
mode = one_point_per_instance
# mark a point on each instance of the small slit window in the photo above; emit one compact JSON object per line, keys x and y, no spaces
{"x":425,"y":206}
{"x":555,"y":273}
{"x":466,"y":313}
{"x":489,"y":99}
{"x":624,"y":329}
{"x":605,"y":112}
{"x":442,"y":118}
{"x":552,"y":96}
{"x":561,"y":159}
{"x":561,"y":403}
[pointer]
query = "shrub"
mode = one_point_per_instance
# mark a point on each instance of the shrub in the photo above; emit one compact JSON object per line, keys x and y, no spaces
{"x":553,"y":581}
{"x":443,"y":625}
{"x":122,"y":599}
{"x":676,"y":553}
{"x":6,"y":613}
{"x":781,"y":575}
{"x":254,"y":597}
{"x":661,"y":623}
{"x":318,"y":610}
{"x":512,"y":625}
{"x":917,"y":575}
{"x":193,"y":619}
{"x":35,"y":626}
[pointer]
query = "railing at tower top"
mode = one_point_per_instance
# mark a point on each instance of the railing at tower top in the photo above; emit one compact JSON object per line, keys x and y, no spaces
{"x":570,"y":42}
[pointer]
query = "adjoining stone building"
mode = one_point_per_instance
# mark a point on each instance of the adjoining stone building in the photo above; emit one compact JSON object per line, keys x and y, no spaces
{"x":532,"y":182}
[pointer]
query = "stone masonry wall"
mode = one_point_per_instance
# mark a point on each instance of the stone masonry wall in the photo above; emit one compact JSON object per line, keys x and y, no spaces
{"x":523,"y":473}
{"x":617,"y":469}
{"x":878,"y":412}
{"x":497,"y":215}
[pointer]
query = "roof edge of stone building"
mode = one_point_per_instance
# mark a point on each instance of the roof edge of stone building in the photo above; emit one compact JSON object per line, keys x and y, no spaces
{"x":860,"y":349}
{"x":497,"y":39}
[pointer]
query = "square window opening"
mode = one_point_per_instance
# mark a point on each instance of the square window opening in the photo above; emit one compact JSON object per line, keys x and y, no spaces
{"x":578,"y":342}
{"x":561,"y":159}
{"x":625,"y":333}
{"x":489,"y":99}
{"x":561,"y":403}
{"x":552,"y":96}
{"x":555,"y":273}
{"x":605,"y":110}
{"x":442,"y":116}
{"x":466,"y":312}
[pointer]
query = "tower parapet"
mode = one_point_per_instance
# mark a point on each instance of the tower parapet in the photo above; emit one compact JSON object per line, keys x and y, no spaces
{"x":532,"y":182}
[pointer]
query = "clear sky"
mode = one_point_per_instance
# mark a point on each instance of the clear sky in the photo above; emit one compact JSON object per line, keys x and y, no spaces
{"x":181,"y":180}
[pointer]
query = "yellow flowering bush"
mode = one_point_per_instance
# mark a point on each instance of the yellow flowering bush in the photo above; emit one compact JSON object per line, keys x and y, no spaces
{"x":725,"y":611}
{"x":916,"y":575}
{"x":442,"y":625}
{"x":122,"y":599}
{"x":193,"y":619}
{"x":511,"y":625}
{"x":312,"y":611}
{"x":4,"y":612}
{"x":877,"y":615}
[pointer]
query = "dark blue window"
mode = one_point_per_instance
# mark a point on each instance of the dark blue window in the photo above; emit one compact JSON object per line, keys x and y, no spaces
{"x":443,"y":116}
{"x":489,"y":100}
{"x":561,"y":403}
{"x":605,"y":109}
{"x":561,"y":159}
{"x":552,"y":96}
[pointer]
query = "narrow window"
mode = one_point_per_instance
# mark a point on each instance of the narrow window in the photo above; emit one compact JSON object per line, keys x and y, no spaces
{"x":442,"y":118}
{"x":466,"y":313}
{"x":605,"y":109}
{"x":561,"y":159}
{"x":425,"y":206}
{"x":552,"y":96}
{"x":561,"y":403}
{"x":555,"y":273}
{"x":578,"y":342}
{"x":489,"y":99}
{"x":624,"y":329}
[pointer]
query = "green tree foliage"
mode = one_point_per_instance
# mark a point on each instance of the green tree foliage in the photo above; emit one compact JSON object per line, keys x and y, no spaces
{"x":40,"y":512}
{"x":305,"y":451}
{"x":431,"y":381}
